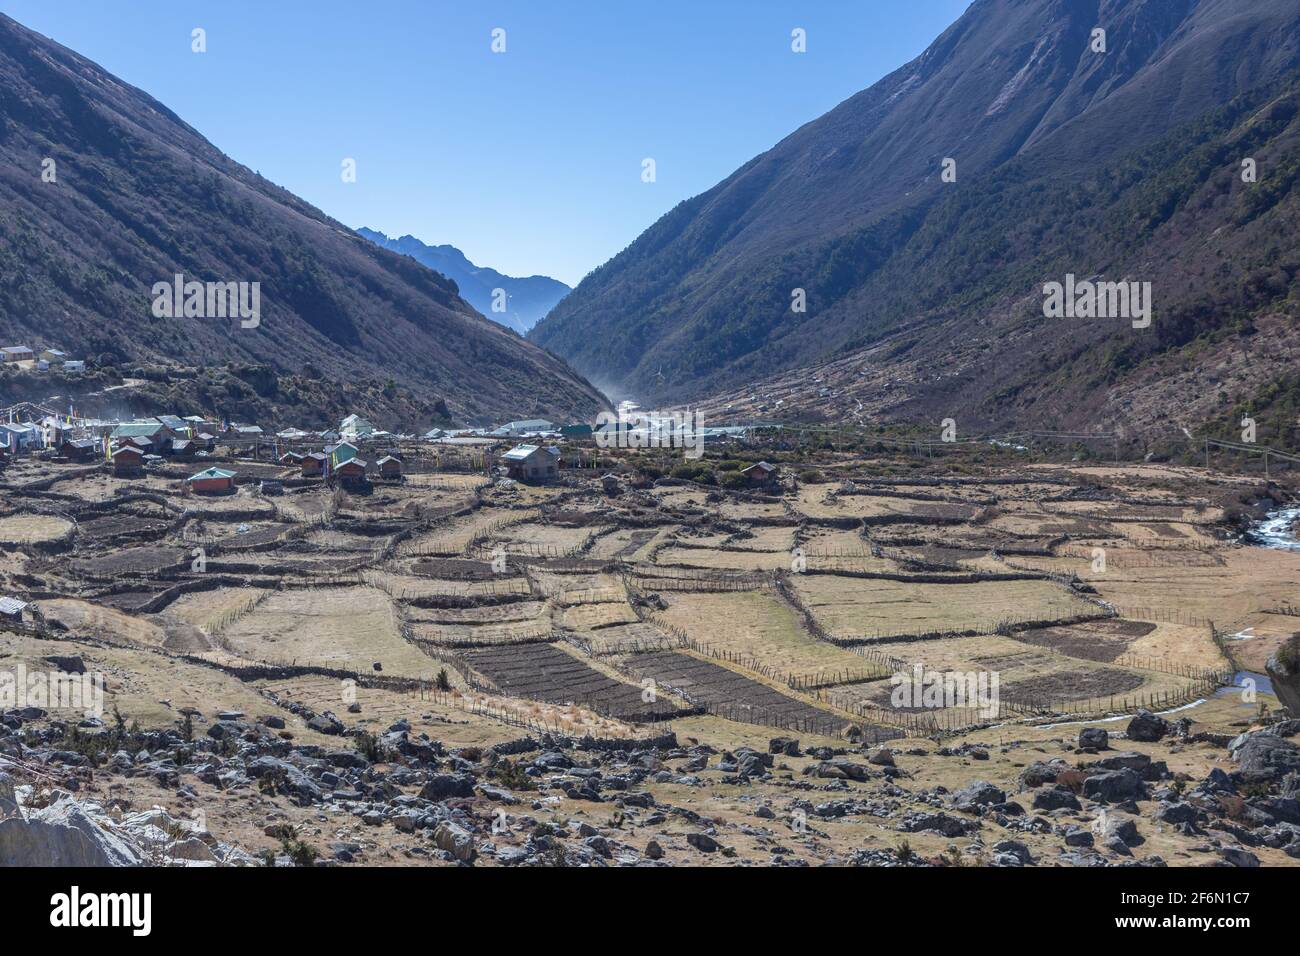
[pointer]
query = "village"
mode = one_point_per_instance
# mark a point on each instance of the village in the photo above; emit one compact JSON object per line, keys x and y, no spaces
{"x":532,"y":644}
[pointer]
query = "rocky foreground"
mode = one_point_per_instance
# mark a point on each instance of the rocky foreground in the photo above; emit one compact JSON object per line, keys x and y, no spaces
{"x":94,"y":795}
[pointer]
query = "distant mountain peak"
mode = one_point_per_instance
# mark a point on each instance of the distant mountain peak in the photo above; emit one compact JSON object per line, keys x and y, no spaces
{"x":528,"y":298}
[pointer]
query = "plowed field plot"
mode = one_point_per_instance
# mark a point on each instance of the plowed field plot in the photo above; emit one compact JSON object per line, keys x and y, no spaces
{"x":1093,"y":640}
{"x":480,"y":635}
{"x":627,"y":638}
{"x":730,"y":694}
{"x":764,"y":539}
{"x":103,"y":527}
{"x":129,"y":600}
{"x":254,"y":538}
{"x":759,"y":625}
{"x":546,"y":540}
{"x":491,"y":614}
{"x":129,"y":560}
{"x":865,"y":607}
{"x":1072,"y":685}
{"x":547,"y":673}
{"x":580,"y":617}
{"x":734,"y":560}
{"x":456,"y":568}
{"x":623,"y":544}
{"x":344,"y":628}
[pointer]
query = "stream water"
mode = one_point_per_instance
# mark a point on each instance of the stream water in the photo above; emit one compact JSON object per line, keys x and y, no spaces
{"x":1277,"y":531}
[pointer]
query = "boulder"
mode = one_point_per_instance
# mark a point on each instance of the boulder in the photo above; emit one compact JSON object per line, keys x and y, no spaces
{"x":444,"y":786}
{"x":1056,"y":798}
{"x":63,"y":834}
{"x":1113,"y":786}
{"x":1263,"y":757}
{"x":456,"y":840}
{"x":1147,"y":727}
{"x":978,"y":794}
{"x":1094,"y":738}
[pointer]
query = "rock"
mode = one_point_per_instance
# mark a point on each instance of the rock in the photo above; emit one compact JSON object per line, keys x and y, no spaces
{"x":326,"y":723}
{"x":63,"y":834}
{"x":881,"y":757}
{"x":1078,"y":836}
{"x":840,"y":769}
{"x":274,"y":721}
{"x":1177,"y":813}
{"x":949,"y":826}
{"x":783,"y":745}
{"x":1114,"y":827}
{"x":1094,"y":738}
{"x":1262,"y":757}
{"x":1239,"y":857}
{"x":653,"y":850}
{"x":456,"y":840}
{"x":444,"y":786}
{"x":978,"y":794}
{"x":1056,"y":798}
{"x":1016,"y":849}
{"x":72,"y":664}
{"x":1113,"y":786}
{"x":1123,"y":760}
{"x":1284,"y":672}
{"x":1039,"y":773}
{"x":1147,"y":727}
{"x":8,"y":798}
{"x":191,"y":849}
{"x":702,"y":842}
{"x":225,"y":730}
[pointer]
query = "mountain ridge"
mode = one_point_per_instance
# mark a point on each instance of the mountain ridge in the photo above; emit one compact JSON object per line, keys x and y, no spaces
{"x":699,"y":304}
{"x":527,"y":298}
{"x":140,"y":196}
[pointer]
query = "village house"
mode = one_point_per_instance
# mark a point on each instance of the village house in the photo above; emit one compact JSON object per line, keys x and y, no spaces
{"x":760,"y":473}
{"x":313,"y":465}
{"x":340,"y":453}
{"x":529,"y":426}
{"x":74,"y":365}
{"x":78,"y":449}
{"x":18,"y":437}
{"x":291,"y":459}
{"x":389,"y":467}
{"x":16,"y":353}
{"x":212,"y":481}
{"x":356,"y":428}
{"x":532,"y":463}
{"x":182,"y":448}
{"x":127,"y":460}
{"x":351,"y":472}
{"x":53,"y":356}
{"x":11,"y":609}
{"x":152,"y":432}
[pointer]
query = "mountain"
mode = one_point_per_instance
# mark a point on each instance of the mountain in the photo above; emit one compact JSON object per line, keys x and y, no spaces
{"x":138,"y":196}
{"x":917,"y":289}
{"x":527,"y":300}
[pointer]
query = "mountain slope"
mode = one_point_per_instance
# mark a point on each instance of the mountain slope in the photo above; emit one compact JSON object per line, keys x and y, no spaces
{"x":140,"y":196}
{"x":527,"y":300}
{"x":700,"y":303}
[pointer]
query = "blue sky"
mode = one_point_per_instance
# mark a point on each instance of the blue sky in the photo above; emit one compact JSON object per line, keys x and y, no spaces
{"x":529,"y":161}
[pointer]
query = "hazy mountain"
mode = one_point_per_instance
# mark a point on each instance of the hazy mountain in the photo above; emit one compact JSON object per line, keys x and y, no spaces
{"x":527,"y":300}
{"x":903,"y":272}
{"x":140,"y":196}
